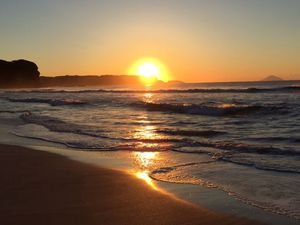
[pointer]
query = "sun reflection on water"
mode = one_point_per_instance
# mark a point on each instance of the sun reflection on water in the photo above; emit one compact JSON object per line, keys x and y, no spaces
{"x":145,"y":157}
{"x":146,"y":136}
{"x":148,"y":98}
{"x":145,"y":132}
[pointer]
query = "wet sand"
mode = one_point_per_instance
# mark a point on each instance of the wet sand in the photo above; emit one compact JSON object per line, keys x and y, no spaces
{"x":43,"y":188}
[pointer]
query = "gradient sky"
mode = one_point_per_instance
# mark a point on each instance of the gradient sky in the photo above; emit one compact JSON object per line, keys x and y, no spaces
{"x":198,"y":40}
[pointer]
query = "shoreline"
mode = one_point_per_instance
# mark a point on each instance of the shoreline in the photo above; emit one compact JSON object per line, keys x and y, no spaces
{"x":41,"y":187}
{"x":213,"y":199}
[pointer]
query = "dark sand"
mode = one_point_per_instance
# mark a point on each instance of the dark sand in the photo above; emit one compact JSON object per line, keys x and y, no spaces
{"x":43,"y":188}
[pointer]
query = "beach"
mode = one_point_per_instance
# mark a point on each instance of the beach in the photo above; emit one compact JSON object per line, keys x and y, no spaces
{"x":228,"y":154}
{"x":44,"y":188}
{"x":149,"y":112}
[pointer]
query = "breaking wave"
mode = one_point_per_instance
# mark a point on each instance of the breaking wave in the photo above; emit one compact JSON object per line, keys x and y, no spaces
{"x":179,"y":144}
{"x":217,"y":110}
{"x":259,"y":194}
{"x":191,"y":133}
{"x":284,"y":89}
{"x":58,"y":125}
{"x":52,"y":102}
{"x":232,"y":147}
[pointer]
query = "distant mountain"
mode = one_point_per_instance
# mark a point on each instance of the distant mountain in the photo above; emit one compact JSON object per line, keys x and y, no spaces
{"x":272,"y":78}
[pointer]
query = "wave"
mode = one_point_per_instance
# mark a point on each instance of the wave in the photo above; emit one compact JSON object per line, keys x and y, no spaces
{"x":52,"y":102}
{"x":228,"y":90}
{"x":292,"y":88}
{"x":58,"y":125}
{"x":290,"y":139}
{"x":13,"y":111}
{"x":218,"y":110}
{"x":54,"y":124}
{"x":84,"y":140}
{"x":232,"y":148}
{"x":237,"y":186}
{"x":287,"y":165}
{"x":191,"y":133}
{"x":82,"y":137}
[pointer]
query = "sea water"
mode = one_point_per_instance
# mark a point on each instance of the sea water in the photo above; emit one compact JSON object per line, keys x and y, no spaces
{"x":243,"y":138}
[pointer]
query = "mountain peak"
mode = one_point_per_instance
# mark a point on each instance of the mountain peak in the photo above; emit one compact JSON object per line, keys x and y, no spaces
{"x":272,"y":78}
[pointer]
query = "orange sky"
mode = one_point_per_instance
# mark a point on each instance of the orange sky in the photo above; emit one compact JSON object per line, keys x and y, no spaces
{"x":198,"y":41}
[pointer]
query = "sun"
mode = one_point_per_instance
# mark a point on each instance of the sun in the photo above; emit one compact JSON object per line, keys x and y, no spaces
{"x":150,"y":70}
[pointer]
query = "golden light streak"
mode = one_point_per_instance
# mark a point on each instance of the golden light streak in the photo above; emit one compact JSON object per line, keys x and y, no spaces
{"x":145,"y":177}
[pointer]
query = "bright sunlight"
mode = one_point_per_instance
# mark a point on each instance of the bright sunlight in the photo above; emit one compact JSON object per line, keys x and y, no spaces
{"x":150,"y":70}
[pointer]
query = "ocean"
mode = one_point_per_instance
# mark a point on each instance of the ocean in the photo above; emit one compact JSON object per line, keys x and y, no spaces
{"x":242,"y":138}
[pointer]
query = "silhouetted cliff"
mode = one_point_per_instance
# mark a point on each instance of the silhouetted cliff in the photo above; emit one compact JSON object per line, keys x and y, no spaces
{"x":18,"y":73}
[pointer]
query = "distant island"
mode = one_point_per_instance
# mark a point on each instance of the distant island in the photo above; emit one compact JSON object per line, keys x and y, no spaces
{"x":272,"y":78}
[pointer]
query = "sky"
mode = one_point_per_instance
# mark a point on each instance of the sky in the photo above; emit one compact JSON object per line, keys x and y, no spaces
{"x":197,"y":40}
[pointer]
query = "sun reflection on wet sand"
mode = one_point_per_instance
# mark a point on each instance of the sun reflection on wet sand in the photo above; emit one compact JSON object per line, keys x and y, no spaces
{"x":145,"y":177}
{"x":143,"y":160}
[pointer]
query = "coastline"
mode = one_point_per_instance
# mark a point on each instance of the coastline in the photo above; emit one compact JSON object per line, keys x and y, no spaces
{"x":49,"y":188}
{"x":210,"y":198}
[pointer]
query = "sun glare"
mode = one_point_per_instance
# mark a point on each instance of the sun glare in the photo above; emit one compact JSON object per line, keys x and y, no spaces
{"x":150,"y":70}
